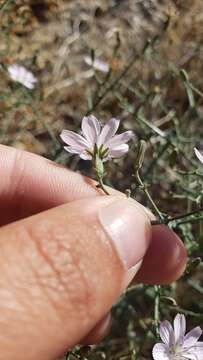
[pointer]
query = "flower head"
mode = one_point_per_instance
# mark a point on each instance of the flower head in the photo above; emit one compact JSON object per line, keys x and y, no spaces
{"x":22,"y":75}
{"x":175,"y":344}
{"x":199,"y":155}
{"x":97,"y":138}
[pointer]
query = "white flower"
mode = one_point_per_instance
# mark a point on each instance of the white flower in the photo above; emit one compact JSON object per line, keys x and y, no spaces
{"x":107,"y":144}
{"x":20,"y":74}
{"x":199,"y":155}
{"x":176,"y":345}
{"x":97,"y":64}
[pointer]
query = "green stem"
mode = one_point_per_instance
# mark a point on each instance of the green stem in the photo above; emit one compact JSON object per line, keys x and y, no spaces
{"x":186,"y":312}
{"x":190,"y":220}
{"x":146,"y":192}
{"x":196,"y":173}
{"x":196,"y":286}
{"x":99,"y":169}
{"x":196,"y":90}
{"x":101,"y":185}
{"x":157,"y":309}
{"x":167,"y":221}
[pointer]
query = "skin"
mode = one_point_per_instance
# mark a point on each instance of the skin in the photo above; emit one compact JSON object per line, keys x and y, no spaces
{"x":59,"y":273}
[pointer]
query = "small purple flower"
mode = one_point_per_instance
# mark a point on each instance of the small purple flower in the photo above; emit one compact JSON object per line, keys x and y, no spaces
{"x":107,"y":144}
{"x":22,"y":75}
{"x":176,"y":345}
{"x":199,"y":155}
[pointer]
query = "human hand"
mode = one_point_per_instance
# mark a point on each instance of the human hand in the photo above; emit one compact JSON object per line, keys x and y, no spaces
{"x":63,"y":268}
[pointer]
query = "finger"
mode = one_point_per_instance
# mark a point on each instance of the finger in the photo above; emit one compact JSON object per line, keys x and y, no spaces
{"x":31,"y":184}
{"x":172,"y":262}
{"x":101,"y":330}
{"x":61,"y":271}
{"x":165,"y":259}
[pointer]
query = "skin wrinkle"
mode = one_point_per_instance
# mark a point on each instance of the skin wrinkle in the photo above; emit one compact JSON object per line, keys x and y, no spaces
{"x":17,"y":309}
{"x":38,"y":275}
{"x":70,"y":280}
{"x":62,"y":276}
{"x":8,"y":306}
{"x":95,"y":232}
{"x":7,"y":275}
{"x":29,"y":286}
{"x":79,"y":249}
{"x":31,"y":308}
{"x":43,"y":280}
{"x":92,"y":303}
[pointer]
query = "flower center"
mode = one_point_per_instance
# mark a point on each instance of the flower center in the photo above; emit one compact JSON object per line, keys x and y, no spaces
{"x":175,"y":351}
{"x":101,"y":151}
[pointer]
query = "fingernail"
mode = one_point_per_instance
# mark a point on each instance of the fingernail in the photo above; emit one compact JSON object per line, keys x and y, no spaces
{"x":130,"y":274}
{"x":129,"y":230}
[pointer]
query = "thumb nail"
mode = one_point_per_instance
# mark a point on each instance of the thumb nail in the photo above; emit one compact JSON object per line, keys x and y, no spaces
{"x":129,"y":230}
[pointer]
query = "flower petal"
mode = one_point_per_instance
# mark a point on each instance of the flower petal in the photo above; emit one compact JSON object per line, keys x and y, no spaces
{"x":22,"y":75}
{"x":91,"y":129}
{"x":14,"y":71}
{"x":76,"y":141}
{"x":192,"y":337}
{"x":188,"y":356}
{"x":28,"y":85}
{"x":179,"y":328}
{"x":120,"y":139}
{"x":72,"y":150}
{"x":108,"y":131}
{"x":199,"y":155}
{"x":166,"y":333}
{"x":161,"y":352}
{"x":97,"y":64}
{"x":118,"y":151}
{"x":195,"y":352}
{"x":85,"y":156}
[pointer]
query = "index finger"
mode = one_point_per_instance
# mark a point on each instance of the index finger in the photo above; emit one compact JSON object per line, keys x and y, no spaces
{"x":30,"y":184}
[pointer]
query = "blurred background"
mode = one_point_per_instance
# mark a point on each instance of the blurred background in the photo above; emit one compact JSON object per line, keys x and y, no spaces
{"x":140,"y":61}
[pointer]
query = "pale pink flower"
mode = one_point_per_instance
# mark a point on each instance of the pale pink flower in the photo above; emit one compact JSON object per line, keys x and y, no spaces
{"x":22,"y":75}
{"x":97,"y":64}
{"x":93,"y":136}
{"x":199,"y":155}
{"x":176,"y":345}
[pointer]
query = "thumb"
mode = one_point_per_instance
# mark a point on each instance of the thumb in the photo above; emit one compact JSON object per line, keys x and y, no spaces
{"x":61,"y":271}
